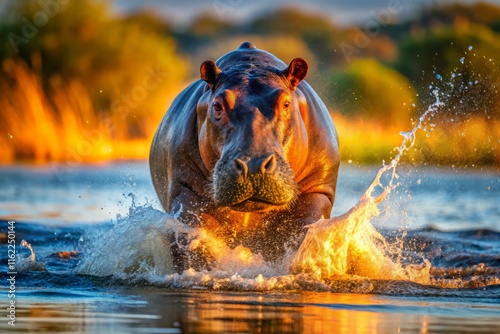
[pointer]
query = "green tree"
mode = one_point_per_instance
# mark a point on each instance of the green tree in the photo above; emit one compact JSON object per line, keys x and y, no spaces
{"x":449,"y":14}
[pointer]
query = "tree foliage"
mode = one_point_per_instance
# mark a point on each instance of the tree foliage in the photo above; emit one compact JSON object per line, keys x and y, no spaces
{"x":370,"y":91}
{"x":83,"y":41}
{"x":319,"y":33}
{"x":285,"y":47}
{"x":461,"y":62}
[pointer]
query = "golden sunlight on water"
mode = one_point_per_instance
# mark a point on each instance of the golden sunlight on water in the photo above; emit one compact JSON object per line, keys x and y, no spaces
{"x":339,"y":247}
{"x":227,"y":312}
{"x":342,"y":254}
{"x":350,"y":245}
{"x":335,"y":249}
{"x":290,"y":315}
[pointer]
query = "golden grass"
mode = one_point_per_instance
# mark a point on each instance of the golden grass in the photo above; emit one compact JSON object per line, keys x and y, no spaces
{"x":28,"y":123}
{"x":366,"y":142}
{"x":475,"y":141}
{"x":65,"y":127}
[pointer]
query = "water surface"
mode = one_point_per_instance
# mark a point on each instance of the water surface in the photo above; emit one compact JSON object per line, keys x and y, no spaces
{"x":447,"y":216}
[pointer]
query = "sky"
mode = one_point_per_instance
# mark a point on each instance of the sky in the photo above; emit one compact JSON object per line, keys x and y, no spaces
{"x":343,"y":12}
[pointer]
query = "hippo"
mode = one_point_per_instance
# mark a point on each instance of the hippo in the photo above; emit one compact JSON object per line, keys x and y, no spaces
{"x":249,"y":151}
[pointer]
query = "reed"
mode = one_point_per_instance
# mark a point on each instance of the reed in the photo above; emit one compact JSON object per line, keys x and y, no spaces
{"x":30,"y":128}
{"x":63,"y":125}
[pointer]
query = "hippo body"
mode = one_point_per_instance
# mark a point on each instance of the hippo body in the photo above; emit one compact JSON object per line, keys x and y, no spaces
{"x":249,"y":152}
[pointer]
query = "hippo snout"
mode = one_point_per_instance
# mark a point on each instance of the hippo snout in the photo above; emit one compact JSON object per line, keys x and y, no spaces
{"x":254,"y":183}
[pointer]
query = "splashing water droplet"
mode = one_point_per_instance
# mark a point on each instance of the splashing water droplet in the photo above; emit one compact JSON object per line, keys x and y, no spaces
{"x":439,"y":77}
{"x":470,"y":47}
{"x":462,"y":60}
{"x":29,"y":263}
{"x":26,"y":244}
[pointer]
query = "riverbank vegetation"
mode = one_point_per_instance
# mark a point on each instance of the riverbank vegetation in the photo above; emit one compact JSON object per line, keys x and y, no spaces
{"x":79,"y":83}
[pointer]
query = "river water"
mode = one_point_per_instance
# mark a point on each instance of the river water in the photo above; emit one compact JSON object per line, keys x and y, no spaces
{"x":427,"y":261}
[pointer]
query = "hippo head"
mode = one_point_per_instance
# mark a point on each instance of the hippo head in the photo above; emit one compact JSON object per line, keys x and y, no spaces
{"x":252,"y":136}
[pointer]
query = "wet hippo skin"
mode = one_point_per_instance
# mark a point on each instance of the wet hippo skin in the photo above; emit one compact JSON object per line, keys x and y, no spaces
{"x":248,"y":152}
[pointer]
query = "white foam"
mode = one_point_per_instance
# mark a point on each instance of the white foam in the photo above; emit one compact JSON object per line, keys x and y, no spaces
{"x":136,"y":244}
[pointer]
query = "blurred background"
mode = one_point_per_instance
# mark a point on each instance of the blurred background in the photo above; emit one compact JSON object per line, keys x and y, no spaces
{"x":89,"y":81}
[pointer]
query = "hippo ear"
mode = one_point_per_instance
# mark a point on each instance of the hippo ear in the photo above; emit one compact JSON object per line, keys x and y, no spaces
{"x":209,"y":72}
{"x":296,"y":71}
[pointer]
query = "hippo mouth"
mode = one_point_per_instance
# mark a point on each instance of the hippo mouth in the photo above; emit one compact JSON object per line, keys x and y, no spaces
{"x":257,"y":204}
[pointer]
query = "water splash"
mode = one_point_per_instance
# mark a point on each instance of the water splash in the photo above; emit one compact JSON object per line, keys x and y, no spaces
{"x":32,"y":256}
{"x":28,"y":263}
{"x":338,"y":249}
{"x":342,"y":254}
{"x":349,"y":244}
{"x":136,"y":244}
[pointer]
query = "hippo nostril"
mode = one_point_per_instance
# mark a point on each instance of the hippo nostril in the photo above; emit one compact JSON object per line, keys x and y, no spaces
{"x":240,"y":167}
{"x":268,"y":165}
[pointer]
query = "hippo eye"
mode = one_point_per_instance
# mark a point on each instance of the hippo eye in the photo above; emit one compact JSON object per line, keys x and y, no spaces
{"x":286,"y":104}
{"x":217,"y":106}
